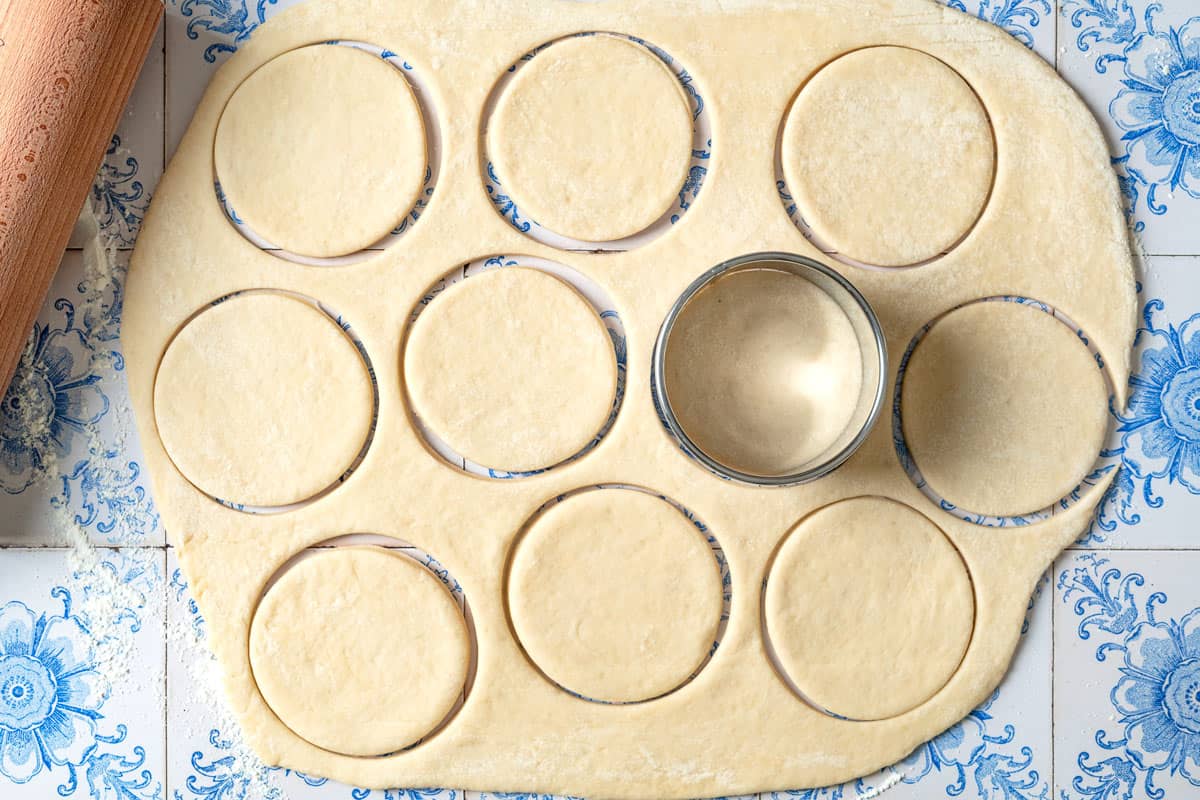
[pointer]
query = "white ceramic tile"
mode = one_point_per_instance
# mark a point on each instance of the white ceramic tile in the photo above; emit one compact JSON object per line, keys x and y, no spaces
{"x":82,"y":672}
{"x":1135,"y":62}
{"x":71,"y":460}
{"x":1154,"y":499}
{"x":1127,"y":672}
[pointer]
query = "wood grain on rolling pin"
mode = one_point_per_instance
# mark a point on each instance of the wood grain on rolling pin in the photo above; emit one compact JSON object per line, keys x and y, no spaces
{"x":67,"y":68}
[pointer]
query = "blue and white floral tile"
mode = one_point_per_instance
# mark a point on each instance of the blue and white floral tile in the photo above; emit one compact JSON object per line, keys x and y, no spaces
{"x":1137,"y":64}
{"x":1127,"y":676}
{"x":1032,"y":22}
{"x":70,"y":462}
{"x":134,"y":161}
{"x":1156,"y":440}
{"x":82,"y":675}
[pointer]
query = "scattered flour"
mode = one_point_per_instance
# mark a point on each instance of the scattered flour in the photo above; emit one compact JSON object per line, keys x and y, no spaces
{"x":112,"y":588}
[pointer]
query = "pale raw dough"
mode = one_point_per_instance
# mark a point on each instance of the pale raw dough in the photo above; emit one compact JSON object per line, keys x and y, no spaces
{"x":1053,"y":229}
{"x":869,"y":608}
{"x":490,"y":356}
{"x":592,"y":138}
{"x":889,"y":156}
{"x":1003,"y":408}
{"x":322,"y":150}
{"x":247,"y":397}
{"x":359,"y":650}
{"x":763,"y":371}
{"x":645,"y":627}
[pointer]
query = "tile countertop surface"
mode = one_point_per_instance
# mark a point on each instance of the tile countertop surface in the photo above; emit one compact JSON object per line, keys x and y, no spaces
{"x":86,"y":573}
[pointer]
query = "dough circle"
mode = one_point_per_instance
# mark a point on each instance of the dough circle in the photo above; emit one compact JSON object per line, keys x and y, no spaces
{"x":644,"y":629}
{"x":869,"y":608}
{"x":321,"y":151}
{"x":244,"y":395}
{"x":1003,"y":408}
{"x":593,"y":138}
{"x":889,"y":155}
{"x":359,"y":650}
{"x":512,"y":368}
{"x":763,"y":371}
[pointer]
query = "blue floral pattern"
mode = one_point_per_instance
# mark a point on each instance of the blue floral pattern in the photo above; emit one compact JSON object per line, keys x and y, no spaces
{"x":1018,"y":17}
{"x":230,"y":21}
{"x":225,"y":777}
{"x":53,"y":397}
{"x":1156,"y":699}
{"x":1157,"y":108}
{"x":52,"y":690}
{"x":119,"y":198}
{"x":1160,"y":429}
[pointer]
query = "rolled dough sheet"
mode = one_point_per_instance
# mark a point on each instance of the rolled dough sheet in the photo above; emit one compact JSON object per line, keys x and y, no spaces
{"x":763,"y":371}
{"x":322,"y":150}
{"x":537,"y":369}
{"x":641,"y":631}
{"x":245,"y":396}
{"x":492,"y":353}
{"x":889,"y":156}
{"x":593,"y":138}
{"x":1003,"y":408}
{"x":359,"y":650}
{"x":869,"y":608}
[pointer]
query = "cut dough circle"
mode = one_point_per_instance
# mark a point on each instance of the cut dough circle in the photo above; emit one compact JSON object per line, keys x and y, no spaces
{"x":869,"y":608}
{"x":889,"y":155}
{"x":512,"y":368}
{"x":1003,"y":408}
{"x":763,"y":371}
{"x":322,"y":151}
{"x":592,"y":138}
{"x":245,"y":393}
{"x":615,"y":595}
{"x":359,"y":650}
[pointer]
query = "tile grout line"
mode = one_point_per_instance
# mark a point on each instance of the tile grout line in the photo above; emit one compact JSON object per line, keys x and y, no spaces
{"x":165,"y":688}
{"x":1053,"y":588}
{"x":1053,"y":654}
{"x":1057,"y":17}
{"x":166,"y":709}
{"x":165,"y":95}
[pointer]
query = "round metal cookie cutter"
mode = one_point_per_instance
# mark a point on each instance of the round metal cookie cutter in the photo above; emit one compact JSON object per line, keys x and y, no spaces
{"x":872,"y":347}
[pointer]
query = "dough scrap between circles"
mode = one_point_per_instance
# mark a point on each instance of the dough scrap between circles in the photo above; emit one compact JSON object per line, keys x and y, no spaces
{"x":245,"y":393}
{"x":512,"y":368}
{"x":592,"y":138}
{"x":321,"y":151}
{"x":869,"y":608}
{"x":889,"y":156}
{"x":359,"y":650}
{"x":1003,"y":408}
{"x":615,"y":595}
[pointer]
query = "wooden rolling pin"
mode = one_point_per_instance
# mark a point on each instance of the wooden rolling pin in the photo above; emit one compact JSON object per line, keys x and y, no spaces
{"x":67,"y":68}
